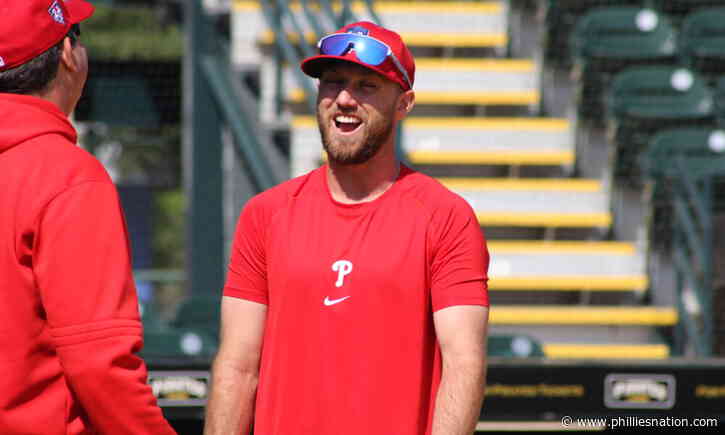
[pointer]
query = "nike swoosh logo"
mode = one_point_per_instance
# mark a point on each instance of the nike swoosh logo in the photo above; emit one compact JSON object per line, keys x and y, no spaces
{"x":330,"y":302}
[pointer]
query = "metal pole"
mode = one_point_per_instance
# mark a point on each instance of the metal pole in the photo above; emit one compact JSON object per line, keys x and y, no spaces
{"x":679,"y":332}
{"x":279,"y":90}
{"x":202,"y":162}
{"x":707,"y":267}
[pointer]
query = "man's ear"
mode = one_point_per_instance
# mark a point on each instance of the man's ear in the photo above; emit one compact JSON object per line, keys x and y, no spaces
{"x":406,"y":102}
{"x":67,"y":56}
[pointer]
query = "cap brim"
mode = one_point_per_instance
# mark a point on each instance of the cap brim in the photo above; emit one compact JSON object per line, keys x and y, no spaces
{"x":79,"y":10}
{"x":313,"y":66}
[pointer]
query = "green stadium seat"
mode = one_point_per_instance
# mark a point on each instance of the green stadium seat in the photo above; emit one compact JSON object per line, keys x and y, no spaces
{"x":608,"y":40}
{"x":178,"y":343}
{"x":561,"y":17}
{"x":150,"y":317}
{"x":696,"y":146}
{"x":697,"y":149}
{"x":679,"y":9}
{"x":702,"y":41}
{"x":720,"y":101}
{"x":519,"y":346}
{"x":644,"y":100}
{"x":199,"y":312}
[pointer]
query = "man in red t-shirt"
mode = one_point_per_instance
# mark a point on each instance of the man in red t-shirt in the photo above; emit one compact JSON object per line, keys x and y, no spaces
{"x":356,"y":299}
{"x":69,"y":321}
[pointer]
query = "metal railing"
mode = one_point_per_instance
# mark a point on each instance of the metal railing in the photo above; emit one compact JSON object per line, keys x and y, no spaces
{"x":691,"y":182}
{"x":293,"y":42}
{"x":239,"y":121}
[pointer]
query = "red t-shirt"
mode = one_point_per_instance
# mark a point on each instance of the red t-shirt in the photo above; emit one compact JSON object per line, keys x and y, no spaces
{"x":349,"y":345}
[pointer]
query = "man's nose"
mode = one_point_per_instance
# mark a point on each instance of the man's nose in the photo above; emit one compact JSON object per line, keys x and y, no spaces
{"x":345,"y":98}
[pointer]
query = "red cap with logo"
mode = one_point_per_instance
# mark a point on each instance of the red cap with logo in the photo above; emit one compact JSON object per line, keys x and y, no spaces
{"x":30,"y":27}
{"x":314,"y":65}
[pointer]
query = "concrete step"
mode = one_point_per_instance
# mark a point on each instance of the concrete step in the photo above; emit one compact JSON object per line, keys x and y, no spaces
{"x":578,"y":315}
{"x":413,"y":40}
{"x":526,"y":346}
{"x":556,"y":350}
{"x":471,"y":141}
{"x":535,"y":202}
{"x":424,"y":97}
{"x":567,"y":331}
{"x":457,"y":82}
{"x":478,"y":75}
{"x":570,"y":282}
{"x":566,"y":266}
{"x":466,"y":24}
{"x":488,"y":141}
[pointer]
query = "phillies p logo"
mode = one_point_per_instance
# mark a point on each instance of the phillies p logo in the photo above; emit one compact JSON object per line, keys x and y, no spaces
{"x":342,"y":267}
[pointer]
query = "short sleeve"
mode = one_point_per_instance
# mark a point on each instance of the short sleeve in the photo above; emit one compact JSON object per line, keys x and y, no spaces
{"x":459,"y":267}
{"x":247,"y":273}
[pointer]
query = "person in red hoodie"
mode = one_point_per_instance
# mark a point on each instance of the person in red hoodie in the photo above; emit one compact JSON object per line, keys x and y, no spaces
{"x":69,"y":321}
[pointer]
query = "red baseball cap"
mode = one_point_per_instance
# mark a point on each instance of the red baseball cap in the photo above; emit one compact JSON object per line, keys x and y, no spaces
{"x":313,"y":66}
{"x":30,"y":27}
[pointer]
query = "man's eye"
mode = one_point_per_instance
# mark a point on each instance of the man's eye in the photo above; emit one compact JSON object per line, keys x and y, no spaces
{"x":369,"y":85}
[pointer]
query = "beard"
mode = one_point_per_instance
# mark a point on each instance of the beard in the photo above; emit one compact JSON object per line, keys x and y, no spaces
{"x":353,"y":151}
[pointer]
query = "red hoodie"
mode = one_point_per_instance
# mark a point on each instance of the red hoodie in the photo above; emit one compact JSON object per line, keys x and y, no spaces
{"x":69,"y":322}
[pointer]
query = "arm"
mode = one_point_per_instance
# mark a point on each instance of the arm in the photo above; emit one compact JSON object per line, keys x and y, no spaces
{"x":235,"y":372}
{"x":83,"y":272}
{"x":461,"y":332}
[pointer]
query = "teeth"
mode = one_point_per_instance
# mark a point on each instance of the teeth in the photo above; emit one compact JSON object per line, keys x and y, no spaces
{"x":347,"y":120}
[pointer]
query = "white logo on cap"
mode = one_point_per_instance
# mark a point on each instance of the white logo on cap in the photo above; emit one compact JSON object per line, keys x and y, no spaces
{"x":56,"y":12}
{"x":2,"y":62}
{"x":358,"y":30}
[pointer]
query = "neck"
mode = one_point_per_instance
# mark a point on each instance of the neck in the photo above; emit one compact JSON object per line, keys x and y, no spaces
{"x":353,"y":184}
{"x":60,"y":99}
{"x":62,"y":91}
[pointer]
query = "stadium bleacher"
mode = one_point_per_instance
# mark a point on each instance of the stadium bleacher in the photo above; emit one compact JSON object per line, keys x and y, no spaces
{"x":481,"y":127}
{"x":644,"y":99}
{"x":679,"y":9}
{"x":172,"y":344}
{"x":560,"y":18}
{"x":607,"y":40}
{"x":702,"y":41}
{"x":199,"y":313}
{"x":589,"y":218}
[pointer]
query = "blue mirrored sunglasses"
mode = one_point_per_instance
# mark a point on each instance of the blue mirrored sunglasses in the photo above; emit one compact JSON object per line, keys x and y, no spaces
{"x":367,"y":49}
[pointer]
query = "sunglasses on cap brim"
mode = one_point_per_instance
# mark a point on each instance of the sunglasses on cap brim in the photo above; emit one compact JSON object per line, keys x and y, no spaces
{"x":74,"y":32}
{"x":368,"y":50}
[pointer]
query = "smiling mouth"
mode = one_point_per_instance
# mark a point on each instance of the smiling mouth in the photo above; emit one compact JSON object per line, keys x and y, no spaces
{"x":347,"y":124}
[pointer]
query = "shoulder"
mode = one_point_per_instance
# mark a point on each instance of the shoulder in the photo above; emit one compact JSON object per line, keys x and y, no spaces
{"x":435,"y":199}
{"x":63,"y":163}
{"x":70,"y":157}
{"x":280,"y":196}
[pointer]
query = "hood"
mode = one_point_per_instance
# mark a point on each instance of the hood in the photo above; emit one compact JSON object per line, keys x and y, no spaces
{"x":23,"y":117}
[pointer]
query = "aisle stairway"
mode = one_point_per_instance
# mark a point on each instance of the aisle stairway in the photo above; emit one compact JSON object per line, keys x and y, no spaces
{"x":476,"y":127}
